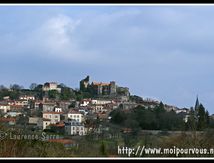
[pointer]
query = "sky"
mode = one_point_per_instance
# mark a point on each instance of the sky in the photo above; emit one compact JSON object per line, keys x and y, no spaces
{"x":160,"y":52}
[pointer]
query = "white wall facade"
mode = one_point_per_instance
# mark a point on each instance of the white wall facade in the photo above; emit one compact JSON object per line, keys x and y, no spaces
{"x":78,"y":117}
{"x":75,"y":128}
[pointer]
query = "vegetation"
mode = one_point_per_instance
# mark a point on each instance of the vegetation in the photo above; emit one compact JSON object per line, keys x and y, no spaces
{"x":198,"y":119}
{"x":66,"y":93}
{"x":13,"y":92}
{"x":126,"y":128}
{"x":36,"y":90}
{"x":148,"y":119}
{"x":136,"y":98}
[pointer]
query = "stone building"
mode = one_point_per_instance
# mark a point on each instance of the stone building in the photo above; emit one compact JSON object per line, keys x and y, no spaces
{"x":51,"y":86}
{"x":84,"y":84}
{"x":100,"y":88}
{"x":75,"y":128}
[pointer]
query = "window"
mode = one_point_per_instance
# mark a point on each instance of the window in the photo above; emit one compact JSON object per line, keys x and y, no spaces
{"x":56,"y":116}
{"x":74,"y":116}
{"x":77,"y":116}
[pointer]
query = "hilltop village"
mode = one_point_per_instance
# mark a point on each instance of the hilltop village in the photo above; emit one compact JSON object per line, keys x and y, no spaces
{"x":56,"y":108}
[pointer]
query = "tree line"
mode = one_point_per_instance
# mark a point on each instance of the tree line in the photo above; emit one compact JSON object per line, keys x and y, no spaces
{"x":14,"y":91}
{"x":158,"y":118}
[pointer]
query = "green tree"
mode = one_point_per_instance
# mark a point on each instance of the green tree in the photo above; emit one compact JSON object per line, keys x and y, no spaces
{"x":146,"y":117}
{"x":38,"y":88}
{"x":3,"y":92}
{"x":62,"y":85}
{"x":16,"y":87}
{"x":72,"y":105}
{"x":159,"y":109}
{"x":53,"y":94}
{"x":33,"y":86}
{"x":159,"y":112}
{"x":136,"y":98}
{"x":14,"y":95}
{"x":66,"y":93}
{"x":201,"y":117}
{"x":192,"y":123}
{"x":2,"y":87}
{"x":103,"y":149}
{"x":118,"y":116}
{"x":79,"y":97}
{"x":207,"y":118}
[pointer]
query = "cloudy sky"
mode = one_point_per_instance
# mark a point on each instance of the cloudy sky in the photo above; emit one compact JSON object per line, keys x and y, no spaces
{"x":161,"y":52}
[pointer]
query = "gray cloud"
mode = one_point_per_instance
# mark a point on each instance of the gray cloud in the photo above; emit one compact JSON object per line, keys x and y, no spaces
{"x":163,"y":52}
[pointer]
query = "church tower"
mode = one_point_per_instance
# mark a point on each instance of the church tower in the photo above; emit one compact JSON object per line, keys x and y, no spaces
{"x":197,"y":104}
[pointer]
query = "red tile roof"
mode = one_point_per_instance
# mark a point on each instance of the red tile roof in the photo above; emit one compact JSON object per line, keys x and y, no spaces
{"x":58,"y":125}
{"x":63,"y":141}
{"x":52,"y":112}
{"x":15,"y":107}
{"x":74,"y":112}
{"x":45,"y":119}
{"x":101,"y":84}
{"x":7,"y":120}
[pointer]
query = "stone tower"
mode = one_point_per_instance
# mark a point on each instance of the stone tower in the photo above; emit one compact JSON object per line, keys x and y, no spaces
{"x":84,"y":84}
{"x":113,"y":88}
